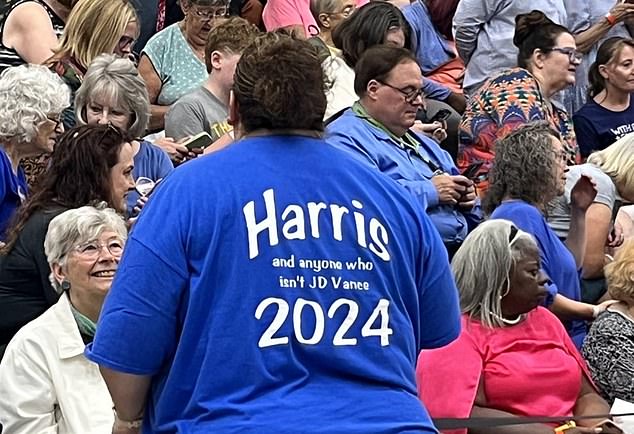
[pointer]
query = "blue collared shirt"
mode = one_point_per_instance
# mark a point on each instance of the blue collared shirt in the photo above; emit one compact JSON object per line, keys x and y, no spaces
{"x":408,"y":167}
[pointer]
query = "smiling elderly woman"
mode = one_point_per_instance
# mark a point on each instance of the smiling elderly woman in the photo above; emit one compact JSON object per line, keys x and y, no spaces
{"x":45,"y":358}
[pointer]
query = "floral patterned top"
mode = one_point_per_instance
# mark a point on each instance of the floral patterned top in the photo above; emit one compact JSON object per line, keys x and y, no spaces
{"x":507,"y":101}
{"x":609,"y":352}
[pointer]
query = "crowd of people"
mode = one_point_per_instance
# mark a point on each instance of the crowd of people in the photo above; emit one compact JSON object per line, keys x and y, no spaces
{"x":316,"y":215}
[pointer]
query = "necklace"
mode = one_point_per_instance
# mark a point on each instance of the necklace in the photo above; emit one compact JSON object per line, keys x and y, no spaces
{"x":509,"y":321}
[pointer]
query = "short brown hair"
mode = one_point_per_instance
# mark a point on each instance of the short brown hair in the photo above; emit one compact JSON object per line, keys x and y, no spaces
{"x":233,"y":35}
{"x":619,"y":274}
{"x":279,"y":84}
{"x":376,"y":63}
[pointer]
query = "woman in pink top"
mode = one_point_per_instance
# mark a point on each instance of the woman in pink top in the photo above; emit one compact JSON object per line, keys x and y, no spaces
{"x":513,"y":357}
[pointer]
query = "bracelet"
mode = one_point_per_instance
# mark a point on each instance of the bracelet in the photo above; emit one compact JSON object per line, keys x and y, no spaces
{"x":128,"y":424}
{"x":611,"y":19}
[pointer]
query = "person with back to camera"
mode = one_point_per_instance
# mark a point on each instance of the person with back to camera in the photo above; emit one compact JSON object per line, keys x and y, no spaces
{"x":546,"y":61}
{"x":376,"y":130}
{"x":46,"y":382}
{"x":328,"y":275}
{"x":90,"y":164}
{"x":608,"y":114}
{"x":528,"y":173}
{"x":513,"y":357}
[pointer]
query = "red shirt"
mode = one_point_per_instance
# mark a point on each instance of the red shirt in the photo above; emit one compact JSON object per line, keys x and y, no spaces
{"x":529,"y":369}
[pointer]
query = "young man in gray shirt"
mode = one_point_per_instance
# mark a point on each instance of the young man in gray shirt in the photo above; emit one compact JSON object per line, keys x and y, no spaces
{"x":205,"y":109}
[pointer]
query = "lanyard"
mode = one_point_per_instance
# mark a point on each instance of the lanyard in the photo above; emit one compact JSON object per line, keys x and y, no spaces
{"x":407,"y":142}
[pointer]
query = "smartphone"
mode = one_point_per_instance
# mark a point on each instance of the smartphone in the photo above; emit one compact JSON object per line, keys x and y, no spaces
{"x":440,"y":116}
{"x":200,"y":140}
{"x":472,"y":170}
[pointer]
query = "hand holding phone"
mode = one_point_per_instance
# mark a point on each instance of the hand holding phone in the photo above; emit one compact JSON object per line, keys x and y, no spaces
{"x":472,"y":170}
{"x":199,"y":141}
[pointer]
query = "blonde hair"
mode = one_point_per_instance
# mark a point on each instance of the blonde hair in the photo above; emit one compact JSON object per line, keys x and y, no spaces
{"x":617,"y":161}
{"x":94,"y":27}
{"x":619,"y":274}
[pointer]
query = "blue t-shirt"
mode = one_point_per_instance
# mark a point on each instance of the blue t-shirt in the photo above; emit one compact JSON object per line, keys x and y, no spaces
{"x":597,"y":127}
{"x":13,"y":191}
{"x":151,"y":162}
{"x":557,"y":261}
{"x":291,"y":291}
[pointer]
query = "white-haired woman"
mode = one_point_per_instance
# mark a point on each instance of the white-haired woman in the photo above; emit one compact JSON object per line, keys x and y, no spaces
{"x":46,"y":383}
{"x":513,"y":357}
{"x":114,"y":92}
{"x":31,"y":101}
{"x":612,"y":170}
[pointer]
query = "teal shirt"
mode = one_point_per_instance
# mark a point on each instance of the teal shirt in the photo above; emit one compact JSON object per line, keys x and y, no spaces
{"x":178,"y":67}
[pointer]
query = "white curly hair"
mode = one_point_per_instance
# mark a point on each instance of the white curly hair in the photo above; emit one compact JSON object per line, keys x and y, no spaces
{"x":28,"y":94}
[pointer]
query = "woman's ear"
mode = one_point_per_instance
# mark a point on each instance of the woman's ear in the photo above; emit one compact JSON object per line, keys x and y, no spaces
{"x":538,"y":58}
{"x":603,"y":71}
{"x":58,"y":273}
{"x":324,"y":20}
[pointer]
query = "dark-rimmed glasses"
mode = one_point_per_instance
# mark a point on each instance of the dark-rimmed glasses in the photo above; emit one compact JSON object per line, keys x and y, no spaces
{"x":574,"y":56}
{"x":410,"y":96}
{"x":56,"y":120}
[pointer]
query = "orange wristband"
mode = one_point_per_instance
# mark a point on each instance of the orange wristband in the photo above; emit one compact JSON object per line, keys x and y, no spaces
{"x":611,"y":19}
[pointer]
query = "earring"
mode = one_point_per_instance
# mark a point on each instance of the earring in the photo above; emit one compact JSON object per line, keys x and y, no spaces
{"x":65,"y":285}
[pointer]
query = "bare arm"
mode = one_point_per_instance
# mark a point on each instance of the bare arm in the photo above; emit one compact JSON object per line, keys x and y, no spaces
{"x":598,"y":218}
{"x":586,"y":39}
{"x":480,"y":409}
{"x":576,"y":241}
{"x":129,"y":393}
{"x":153,"y":85}
{"x":29,"y":31}
{"x":589,"y":403}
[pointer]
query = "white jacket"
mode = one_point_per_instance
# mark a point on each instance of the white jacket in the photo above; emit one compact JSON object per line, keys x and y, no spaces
{"x":46,"y":383}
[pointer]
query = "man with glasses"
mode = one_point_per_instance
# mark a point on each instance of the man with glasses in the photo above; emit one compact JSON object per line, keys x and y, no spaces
{"x":376,"y":130}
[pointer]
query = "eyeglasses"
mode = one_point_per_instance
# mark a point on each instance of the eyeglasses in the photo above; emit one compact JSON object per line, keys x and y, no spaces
{"x":410,"y":96}
{"x":574,"y":56}
{"x":93,"y":249}
{"x":221,"y":12}
{"x":55,"y":119}
{"x":345,"y":12}
{"x":125,"y":42}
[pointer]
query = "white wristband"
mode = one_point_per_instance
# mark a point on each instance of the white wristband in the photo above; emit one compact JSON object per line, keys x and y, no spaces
{"x":596,"y":311}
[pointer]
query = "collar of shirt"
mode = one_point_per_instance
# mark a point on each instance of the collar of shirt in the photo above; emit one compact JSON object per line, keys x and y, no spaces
{"x":405,"y":142}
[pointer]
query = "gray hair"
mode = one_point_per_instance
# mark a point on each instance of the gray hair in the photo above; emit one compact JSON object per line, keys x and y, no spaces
{"x":79,"y":226}
{"x":28,"y":94}
{"x":117,"y":80}
{"x":323,"y":6}
{"x":483,"y":265}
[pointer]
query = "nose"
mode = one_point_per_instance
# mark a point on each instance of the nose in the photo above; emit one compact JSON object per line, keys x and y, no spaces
{"x":60,"y":127}
{"x":103,"y":118}
{"x":542,"y":278}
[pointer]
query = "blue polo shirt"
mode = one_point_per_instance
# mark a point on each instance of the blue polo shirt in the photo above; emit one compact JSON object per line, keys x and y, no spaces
{"x":290,"y":291}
